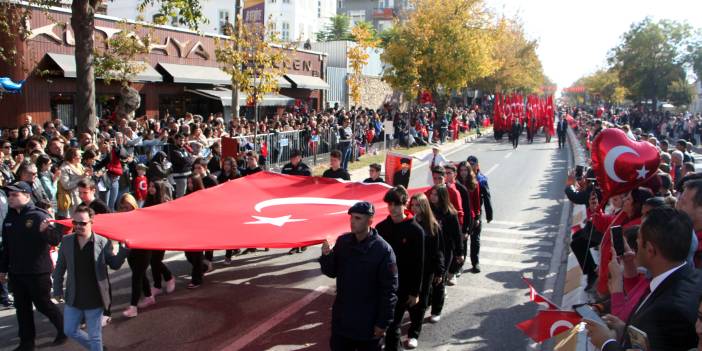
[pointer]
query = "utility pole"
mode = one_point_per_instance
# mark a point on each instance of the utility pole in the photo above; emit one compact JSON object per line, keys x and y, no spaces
{"x":238,"y":18}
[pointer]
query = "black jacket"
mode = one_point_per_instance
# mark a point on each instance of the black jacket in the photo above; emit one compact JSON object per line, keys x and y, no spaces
{"x":182,"y":162}
{"x":301,"y":170}
{"x":581,"y":197}
{"x":451,"y":235}
{"x":468,"y":220}
{"x":338,"y":174}
{"x":246,"y":171}
{"x":562,"y":127}
{"x":434,"y":254}
{"x":370,"y":180}
{"x":25,"y":249}
{"x":366,"y":285}
{"x":407,"y":241}
{"x":485,"y":198}
{"x":401,"y":179}
{"x":668,"y":316}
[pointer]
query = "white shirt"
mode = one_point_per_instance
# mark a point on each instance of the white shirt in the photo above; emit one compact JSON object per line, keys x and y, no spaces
{"x":653,"y":285}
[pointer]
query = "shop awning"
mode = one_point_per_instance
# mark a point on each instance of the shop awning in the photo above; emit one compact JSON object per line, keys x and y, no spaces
{"x":225,"y":96}
{"x":307,"y":82}
{"x":67,"y":64}
{"x":194,"y":74}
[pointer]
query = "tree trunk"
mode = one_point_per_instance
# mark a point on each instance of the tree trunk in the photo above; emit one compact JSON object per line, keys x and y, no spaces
{"x":83,"y":23}
{"x":237,"y":28}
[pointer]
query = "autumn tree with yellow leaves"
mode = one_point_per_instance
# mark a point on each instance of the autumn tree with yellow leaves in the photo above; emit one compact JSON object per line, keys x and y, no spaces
{"x":444,"y":45}
{"x":518,"y":67}
{"x":358,"y":59}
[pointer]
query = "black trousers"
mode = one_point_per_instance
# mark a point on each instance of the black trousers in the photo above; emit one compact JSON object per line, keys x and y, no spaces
{"x":392,"y":335}
{"x":475,"y":244}
{"x":196,"y":260}
{"x":139,"y":261}
{"x":581,"y":249}
{"x":209,"y":255}
{"x":418,"y":311}
{"x":230,"y":253}
{"x":158,"y":268}
{"x":33,"y":289}
{"x":340,"y":343}
{"x":561,"y":140}
{"x":438,"y":292}
{"x":515,"y":140}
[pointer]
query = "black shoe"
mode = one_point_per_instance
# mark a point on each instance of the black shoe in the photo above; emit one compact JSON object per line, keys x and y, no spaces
{"x":292,"y":251}
{"x":60,"y":340}
{"x":475,"y":269}
{"x":24,"y":347}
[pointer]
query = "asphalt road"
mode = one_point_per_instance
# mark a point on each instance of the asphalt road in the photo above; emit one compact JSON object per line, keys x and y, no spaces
{"x":273,"y":301}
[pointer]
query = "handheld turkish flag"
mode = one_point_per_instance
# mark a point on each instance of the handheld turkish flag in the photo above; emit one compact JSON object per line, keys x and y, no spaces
{"x":549,"y":323}
{"x":621,"y":164}
{"x":534,"y":296}
{"x":265,"y":210}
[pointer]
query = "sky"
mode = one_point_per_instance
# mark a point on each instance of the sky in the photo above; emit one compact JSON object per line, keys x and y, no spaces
{"x":575,"y":36}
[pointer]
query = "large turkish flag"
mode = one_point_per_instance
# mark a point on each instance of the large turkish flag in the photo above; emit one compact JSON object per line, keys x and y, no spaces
{"x":264,"y":210}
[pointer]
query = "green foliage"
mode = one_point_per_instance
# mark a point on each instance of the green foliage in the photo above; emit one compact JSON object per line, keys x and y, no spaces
{"x":13,"y":16}
{"x":116,"y":61}
{"x":339,"y":28}
{"x":651,"y":56}
{"x":185,"y":12}
{"x":680,"y":92}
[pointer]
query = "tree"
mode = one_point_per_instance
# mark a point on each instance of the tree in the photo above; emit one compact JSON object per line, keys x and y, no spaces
{"x":444,"y":45}
{"x":605,"y":84}
{"x":116,"y":61}
{"x":254,"y":59}
{"x":518,"y":65}
{"x":337,"y":29}
{"x":650,"y":57}
{"x":680,"y":92}
{"x":358,"y":59}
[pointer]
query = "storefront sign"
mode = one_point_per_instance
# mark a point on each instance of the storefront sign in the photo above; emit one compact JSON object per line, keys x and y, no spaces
{"x":254,"y":11}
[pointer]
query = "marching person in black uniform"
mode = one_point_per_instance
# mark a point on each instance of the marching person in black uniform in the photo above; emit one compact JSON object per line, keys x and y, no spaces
{"x":365,"y":269}
{"x":516,"y":130}
{"x":402,"y":176}
{"x":406,"y":238}
{"x":374,"y":172}
{"x":25,"y":260}
{"x":561,"y":130}
{"x":298,"y":168}
{"x":485,"y":202}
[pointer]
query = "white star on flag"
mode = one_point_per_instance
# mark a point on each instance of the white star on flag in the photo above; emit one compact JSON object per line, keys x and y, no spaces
{"x":641,"y":173}
{"x":276,"y":221}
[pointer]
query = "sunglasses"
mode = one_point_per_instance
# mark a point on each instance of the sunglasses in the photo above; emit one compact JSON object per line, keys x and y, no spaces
{"x":82,"y":224}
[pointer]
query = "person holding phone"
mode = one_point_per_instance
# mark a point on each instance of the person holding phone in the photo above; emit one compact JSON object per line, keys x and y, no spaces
{"x":664,"y":315}
{"x":626,"y":285}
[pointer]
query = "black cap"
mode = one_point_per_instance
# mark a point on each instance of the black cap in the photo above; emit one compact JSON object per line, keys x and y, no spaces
{"x":19,"y":186}
{"x":363,"y":207}
{"x":472,"y":159}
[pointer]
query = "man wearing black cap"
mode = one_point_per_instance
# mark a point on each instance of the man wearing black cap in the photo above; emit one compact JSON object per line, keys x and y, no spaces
{"x":374,"y":173}
{"x":296,"y":166}
{"x":365,"y":269}
{"x":26,"y":262}
{"x":402,"y":176}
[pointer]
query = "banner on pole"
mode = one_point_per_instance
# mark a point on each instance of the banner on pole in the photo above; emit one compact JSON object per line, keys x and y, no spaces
{"x":398,"y":168}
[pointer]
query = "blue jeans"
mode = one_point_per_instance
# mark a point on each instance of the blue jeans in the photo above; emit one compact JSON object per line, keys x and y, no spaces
{"x":92,"y":340}
{"x":345,"y":156}
{"x":4,"y":294}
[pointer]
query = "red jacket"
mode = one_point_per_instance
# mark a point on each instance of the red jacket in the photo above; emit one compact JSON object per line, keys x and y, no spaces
{"x":604,"y":223}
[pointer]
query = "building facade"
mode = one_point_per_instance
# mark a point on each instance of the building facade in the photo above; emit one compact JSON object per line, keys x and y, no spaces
{"x":294,"y":20}
{"x":380,"y":13}
{"x":181,"y":74}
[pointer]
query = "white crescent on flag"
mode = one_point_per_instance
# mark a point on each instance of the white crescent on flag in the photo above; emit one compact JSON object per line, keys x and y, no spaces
{"x":560,"y":324}
{"x":303,"y":201}
{"x":611,"y":158}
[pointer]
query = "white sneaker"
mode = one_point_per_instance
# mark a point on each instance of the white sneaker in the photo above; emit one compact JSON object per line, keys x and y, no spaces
{"x":411,"y":343}
{"x":130,"y":312}
{"x":451,"y":281}
{"x":156,"y":291}
{"x":106,"y":320}
{"x":434,"y":318}
{"x":146,"y":302}
{"x":170,"y":285}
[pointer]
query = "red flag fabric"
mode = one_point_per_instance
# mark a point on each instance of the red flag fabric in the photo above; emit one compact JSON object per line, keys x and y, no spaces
{"x":535,"y":296}
{"x":264,"y":210}
{"x":549,"y":323}
{"x":621,"y":164}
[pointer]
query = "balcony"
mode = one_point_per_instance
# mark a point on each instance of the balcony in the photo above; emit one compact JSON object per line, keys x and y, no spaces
{"x":383,"y":14}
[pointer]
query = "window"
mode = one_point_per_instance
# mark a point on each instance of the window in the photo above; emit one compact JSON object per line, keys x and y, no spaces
{"x":272,"y":1}
{"x":319,"y":9}
{"x":286,"y":1}
{"x":62,"y":107}
{"x":385,"y":4}
{"x":357,"y":16}
{"x":223,"y":20}
{"x":285,"y":32}
{"x":301,"y":34}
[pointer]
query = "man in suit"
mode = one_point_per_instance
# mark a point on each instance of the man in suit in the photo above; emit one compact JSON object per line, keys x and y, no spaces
{"x":402,"y":176}
{"x":561,"y":130}
{"x":85,"y":256}
{"x":516,"y":130}
{"x":667,"y":313}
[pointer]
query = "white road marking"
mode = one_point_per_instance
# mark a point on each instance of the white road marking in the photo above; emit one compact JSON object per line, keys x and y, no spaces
{"x":508,"y":154}
{"x":516,"y":241}
{"x":513,"y":265}
{"x":516,"y":231}
{"x":526,"y":253}
{"x":508,"y":223}
{"x":279,"y":317}
{"x":491,"y":169}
